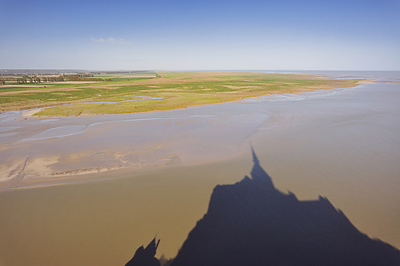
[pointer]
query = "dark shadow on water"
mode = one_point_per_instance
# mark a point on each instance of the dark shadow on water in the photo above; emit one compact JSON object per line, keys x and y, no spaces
{"x":253,"y":223}
{"x":145,"y":256}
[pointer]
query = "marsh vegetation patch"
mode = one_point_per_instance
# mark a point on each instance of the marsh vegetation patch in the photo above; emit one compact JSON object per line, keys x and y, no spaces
{"x":174,"y":90}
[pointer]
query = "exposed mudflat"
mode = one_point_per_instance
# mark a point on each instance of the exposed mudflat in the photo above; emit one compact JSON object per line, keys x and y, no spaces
{"x":90,"y":190}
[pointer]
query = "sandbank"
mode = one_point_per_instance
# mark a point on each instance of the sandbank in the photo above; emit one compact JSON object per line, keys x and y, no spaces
{"x":57,"y":161}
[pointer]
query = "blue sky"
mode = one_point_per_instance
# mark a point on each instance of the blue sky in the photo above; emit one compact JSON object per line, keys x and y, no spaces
{"x":200,"y":35}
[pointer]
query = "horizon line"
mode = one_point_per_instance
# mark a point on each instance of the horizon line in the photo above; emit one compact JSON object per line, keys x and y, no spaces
{"x":199,"y":70}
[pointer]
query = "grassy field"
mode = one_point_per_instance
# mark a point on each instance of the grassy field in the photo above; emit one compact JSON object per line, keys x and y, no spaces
{"x":177,"y":90}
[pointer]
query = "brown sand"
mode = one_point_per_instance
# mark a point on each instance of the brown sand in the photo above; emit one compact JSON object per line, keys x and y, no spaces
{"x":344,"y":146}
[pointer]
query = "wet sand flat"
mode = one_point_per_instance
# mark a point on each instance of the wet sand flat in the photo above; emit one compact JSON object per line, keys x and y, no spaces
{"x":343,"y":144}
{"x":46,"y":149}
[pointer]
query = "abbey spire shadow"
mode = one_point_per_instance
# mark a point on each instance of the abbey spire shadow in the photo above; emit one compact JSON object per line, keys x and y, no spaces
{"x":253,"y":223}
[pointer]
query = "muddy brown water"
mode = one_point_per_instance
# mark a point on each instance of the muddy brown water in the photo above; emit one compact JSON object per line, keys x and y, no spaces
{"x":343,"y":144}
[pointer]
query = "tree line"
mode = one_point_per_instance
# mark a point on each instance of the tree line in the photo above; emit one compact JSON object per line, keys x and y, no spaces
{"x":60,"y":78}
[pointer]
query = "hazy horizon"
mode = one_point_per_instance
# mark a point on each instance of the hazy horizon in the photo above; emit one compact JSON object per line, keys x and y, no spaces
{"x":192,"y":35}
{"x":194,"y":70}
